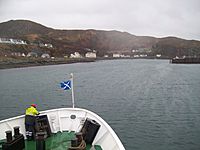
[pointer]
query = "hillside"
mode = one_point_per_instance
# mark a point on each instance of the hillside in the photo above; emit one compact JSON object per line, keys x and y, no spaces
{"x":104,"y":42}
{"x":18,"y":28}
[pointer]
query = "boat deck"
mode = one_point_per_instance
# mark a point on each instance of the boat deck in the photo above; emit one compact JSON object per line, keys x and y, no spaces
{"x":58,"y":141}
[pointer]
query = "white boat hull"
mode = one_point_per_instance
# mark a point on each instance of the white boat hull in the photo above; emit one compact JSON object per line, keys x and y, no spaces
{"x":60,"y":120}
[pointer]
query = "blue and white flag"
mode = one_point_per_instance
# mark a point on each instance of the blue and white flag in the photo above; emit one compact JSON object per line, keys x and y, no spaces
{"x":66,"y":85}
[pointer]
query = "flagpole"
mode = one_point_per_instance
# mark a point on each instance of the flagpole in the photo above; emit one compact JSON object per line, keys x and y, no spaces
{"x":72,"y":82}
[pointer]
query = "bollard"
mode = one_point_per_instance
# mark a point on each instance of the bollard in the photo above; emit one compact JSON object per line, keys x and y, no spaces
{"x":16,"y":131}
{"x":16,"y":143}
{"x":9,"y":136}
{"x":40,"y":140}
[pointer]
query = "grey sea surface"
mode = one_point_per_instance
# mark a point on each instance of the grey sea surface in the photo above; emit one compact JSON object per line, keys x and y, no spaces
{"x":150,"y":104}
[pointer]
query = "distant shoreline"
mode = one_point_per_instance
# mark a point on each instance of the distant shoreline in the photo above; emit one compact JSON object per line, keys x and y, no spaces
{"x":15,"y":63}
{"x":24,"y":62}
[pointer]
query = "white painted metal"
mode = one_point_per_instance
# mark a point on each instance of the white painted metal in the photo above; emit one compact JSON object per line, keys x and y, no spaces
{"x":60,"y":120}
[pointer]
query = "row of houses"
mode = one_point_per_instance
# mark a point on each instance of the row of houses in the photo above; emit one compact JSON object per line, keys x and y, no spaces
{"x":18,"y":41}
{"x":30,"y":54}
{"x":12,"y":41}
{"x":121,"y":55}
{"x":48,"y":45}
{"x":135,"y":56}
{"x":78,"y":55}
{"x":128,"y":56}
{"x":46,"y":55}
{"x":87,"y":55}
{"x":115,"y":55}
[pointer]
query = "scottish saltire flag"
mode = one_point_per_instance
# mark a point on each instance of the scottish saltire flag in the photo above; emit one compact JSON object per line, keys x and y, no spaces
{"x":66,"y":85}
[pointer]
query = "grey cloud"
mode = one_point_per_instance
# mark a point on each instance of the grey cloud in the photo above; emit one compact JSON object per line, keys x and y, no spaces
{"x":139,"y":17}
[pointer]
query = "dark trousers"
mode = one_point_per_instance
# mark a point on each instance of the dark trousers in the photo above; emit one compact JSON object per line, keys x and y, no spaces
{"x":30,"y":127}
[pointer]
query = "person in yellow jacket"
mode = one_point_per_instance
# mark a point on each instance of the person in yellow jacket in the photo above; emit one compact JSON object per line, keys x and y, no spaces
{"x":30,"y":117}
{"x":32,"y":110}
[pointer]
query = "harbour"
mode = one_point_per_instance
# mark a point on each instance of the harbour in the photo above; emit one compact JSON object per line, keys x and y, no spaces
{"x":157,"y":103}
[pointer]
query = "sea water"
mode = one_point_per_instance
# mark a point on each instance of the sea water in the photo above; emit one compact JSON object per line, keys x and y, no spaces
{"x":150,"y":104}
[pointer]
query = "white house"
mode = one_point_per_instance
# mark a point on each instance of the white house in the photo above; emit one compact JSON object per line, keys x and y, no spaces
{"x":32,"y":54}
{"x":136,"y":56}
{"x":16,"y":54}
{"x":45,"y":56}
{"x":5,"y":40}
{"x":65,"y":56}
{"x":12,"y":41}
{"x":75,"y":55}
{"x":143,"y":55}
{"x":17,"y":41}
{"x":134,"y":50}
{"x":48,"y":45}
{"x":91,"y":55}
{"x":158,"y":55}
{"x":116,"y":55}
{"x":124,"y":56}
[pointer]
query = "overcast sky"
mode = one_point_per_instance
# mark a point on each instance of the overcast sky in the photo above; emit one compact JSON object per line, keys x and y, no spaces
{"x":158,"y":18}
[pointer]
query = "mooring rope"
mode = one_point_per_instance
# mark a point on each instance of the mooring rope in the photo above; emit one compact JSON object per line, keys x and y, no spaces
{"x":82,"y":146}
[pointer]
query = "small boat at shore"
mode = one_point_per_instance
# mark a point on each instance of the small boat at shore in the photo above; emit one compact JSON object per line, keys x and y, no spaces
{"x":61,"y":126}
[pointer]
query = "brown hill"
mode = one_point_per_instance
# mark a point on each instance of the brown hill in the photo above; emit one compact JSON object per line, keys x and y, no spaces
{"x":105,"y":42}
{"x":18,"y":28}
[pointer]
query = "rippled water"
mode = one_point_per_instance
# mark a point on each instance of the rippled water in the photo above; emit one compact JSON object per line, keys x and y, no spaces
{"x":151,"y":104}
